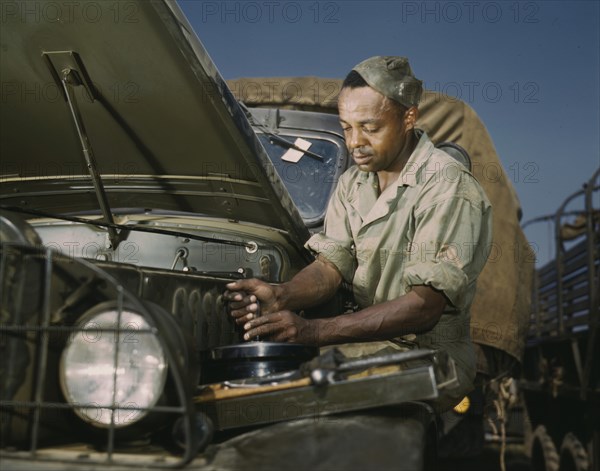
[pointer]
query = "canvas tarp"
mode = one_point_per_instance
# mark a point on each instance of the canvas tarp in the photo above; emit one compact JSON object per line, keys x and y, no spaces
{"x":500,"y":311}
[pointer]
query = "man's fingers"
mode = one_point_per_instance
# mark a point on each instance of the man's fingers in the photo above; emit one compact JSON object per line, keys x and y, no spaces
{"x":233,"y":296}
{"x":236,"y":296}
{"x":265,"y":330}
{"x":258,"y":322}
{"x":248,"y":304}
{"x":243,"y":318}
{"x":242,"y":285}
{"x":263,"y":326}
{"x":235,"y":285}
{"x":243,"y":309}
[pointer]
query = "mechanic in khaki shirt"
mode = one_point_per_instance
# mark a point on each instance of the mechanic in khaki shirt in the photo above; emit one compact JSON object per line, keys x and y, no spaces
{"x":408,"y":226}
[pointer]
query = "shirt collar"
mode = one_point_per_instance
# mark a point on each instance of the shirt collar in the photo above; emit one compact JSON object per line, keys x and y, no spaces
{"x":418,"y":158}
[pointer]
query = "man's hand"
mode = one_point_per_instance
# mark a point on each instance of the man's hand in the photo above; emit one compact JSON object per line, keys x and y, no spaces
{"x":314,"y":284}
{"x":283,"y":326}
{"x":243,"y":295}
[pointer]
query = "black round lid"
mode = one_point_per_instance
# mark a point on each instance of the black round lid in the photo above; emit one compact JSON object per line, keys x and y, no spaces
{"x":264,"y":350}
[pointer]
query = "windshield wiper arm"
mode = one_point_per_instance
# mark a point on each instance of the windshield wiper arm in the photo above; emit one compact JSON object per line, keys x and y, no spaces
{"x":276,"y":138}
{"x":290,"y":145}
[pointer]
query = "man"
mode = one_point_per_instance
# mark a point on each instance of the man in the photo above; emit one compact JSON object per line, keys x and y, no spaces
{"x":408,"y":226}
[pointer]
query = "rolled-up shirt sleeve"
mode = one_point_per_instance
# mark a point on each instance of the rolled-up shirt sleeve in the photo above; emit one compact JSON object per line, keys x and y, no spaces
{"x":450,"y":246}
{"x":335,"y":242}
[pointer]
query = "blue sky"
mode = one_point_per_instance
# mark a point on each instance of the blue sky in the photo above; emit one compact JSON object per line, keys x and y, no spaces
{"x":531,"y":69}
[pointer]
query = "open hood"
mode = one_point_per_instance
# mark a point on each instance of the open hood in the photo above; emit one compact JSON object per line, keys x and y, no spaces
{"x":165,"y":132}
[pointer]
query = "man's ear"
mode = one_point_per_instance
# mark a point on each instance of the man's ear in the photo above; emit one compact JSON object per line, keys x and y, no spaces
{"x":410,"y":118}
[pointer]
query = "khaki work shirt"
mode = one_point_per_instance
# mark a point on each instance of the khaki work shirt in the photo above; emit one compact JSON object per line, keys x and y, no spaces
{"x":433,"y":227}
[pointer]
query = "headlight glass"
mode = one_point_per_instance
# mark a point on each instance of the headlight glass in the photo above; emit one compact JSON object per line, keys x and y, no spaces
{"x":90,"y":377}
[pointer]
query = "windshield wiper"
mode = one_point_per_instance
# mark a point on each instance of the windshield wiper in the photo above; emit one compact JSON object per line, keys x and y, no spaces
{"x":276,"y":139}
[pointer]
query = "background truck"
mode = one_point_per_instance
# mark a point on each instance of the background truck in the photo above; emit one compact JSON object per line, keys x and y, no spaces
{"x":561,"y":380}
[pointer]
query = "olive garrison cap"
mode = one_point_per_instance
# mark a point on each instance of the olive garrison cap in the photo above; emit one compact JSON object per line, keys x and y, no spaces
{"x":392,"y":76}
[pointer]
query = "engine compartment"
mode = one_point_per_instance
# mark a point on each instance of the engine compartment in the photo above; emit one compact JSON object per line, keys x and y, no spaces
{"x":188,"y":245}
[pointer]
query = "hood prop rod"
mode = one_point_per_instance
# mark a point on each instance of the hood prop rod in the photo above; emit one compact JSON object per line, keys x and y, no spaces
{"x":70,"y":79}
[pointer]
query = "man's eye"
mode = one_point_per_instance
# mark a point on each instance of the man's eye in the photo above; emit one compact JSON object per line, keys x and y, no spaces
{"x":371,"y":129}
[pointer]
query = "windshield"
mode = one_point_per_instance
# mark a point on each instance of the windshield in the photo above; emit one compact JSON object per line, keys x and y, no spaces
{"x":309,"y":181}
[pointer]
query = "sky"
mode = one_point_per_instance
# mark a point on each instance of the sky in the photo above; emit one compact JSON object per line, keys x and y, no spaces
{"x":530,"y":69}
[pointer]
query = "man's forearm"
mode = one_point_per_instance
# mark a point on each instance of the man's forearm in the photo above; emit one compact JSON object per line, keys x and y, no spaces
{"x":417,"y":311}
{"x":315,"y":284}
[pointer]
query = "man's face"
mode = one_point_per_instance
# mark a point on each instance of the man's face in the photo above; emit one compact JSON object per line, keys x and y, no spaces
{"x":375,"y":130}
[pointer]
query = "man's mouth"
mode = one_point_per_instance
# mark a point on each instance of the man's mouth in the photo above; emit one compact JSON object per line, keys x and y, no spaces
{"x":361,"y":159}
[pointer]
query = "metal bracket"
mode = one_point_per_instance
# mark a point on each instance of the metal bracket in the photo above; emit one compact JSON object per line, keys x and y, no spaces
{"x":68,"y":71}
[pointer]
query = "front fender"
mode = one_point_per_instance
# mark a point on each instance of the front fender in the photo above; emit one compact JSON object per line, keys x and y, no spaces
{"x":391,"y":438}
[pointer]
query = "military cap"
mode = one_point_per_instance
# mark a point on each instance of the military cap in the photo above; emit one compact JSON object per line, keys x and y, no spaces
{"x":392,"y":76}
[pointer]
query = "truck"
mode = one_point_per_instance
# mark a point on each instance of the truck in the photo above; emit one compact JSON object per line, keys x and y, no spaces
{"x":561,"y":377}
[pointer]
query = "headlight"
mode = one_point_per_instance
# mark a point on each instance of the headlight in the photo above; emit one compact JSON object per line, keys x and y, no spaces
{"x":94,"y":375}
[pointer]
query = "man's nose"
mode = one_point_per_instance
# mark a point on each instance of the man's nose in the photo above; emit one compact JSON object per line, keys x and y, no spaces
{"x":356,"y":139}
